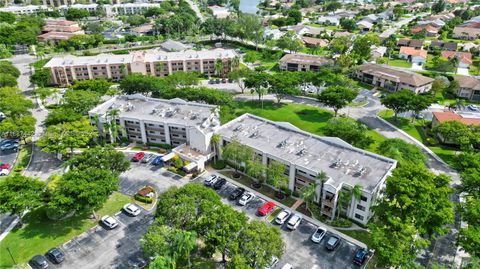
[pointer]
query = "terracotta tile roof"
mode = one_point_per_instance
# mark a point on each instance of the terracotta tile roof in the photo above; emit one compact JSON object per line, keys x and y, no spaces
{"x":429,"y":28}
{"x":413,"y":52}
{"x":463,"y":57}
{"x":452,"y":116}
{"x":55,"y":36}
{"x":60,"y":22}
{"x":398,"y":75}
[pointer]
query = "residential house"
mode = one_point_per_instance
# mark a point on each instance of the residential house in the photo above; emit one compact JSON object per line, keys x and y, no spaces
{"x":378,"y":52}
{"x":172,"y":45}
{"x":435,"y":23}
{"x":465,"y":118}
{"x":306,"y":155}
{"x":329,"y":20}
{"x":470,"y":45}
{"x":302,"y":62}
{"x":25,"y":10}
{"x":469,"y":87}
{"x":301,"y":29}
{"x":430,"y":30}
{"x":415,"y":56}
{"x":464,"y":58}
{"x":372,"y":18}
{"x":469,"y":30}
{"x":341,"y":34}
{"x":364,"y":26}
{"x":449,"y":46}
{"x":56,"y":30}
{"x":414,"y":43}
{"x":393,"y":79}
{"x":219,"y":12}
{"x":272,"y":34}
{"x":66,"y":69}
{"x":314,"y":42}
{"x":443,"y":16}
{"x":145,"y":29}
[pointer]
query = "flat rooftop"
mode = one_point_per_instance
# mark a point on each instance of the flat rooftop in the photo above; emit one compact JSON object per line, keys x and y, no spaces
{"x":141,"y":56}
{"x":312,"y":152}
{"x":174,"y":111}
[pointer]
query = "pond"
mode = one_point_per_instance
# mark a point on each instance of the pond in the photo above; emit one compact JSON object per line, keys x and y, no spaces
{"x":249,"y":6}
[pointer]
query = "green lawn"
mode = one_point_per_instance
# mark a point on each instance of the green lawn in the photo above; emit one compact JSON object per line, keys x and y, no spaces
{"x":415,"y":130}
{"x":399,"y":63}
{"x":307,"y":118}
{"x":39,"y":234}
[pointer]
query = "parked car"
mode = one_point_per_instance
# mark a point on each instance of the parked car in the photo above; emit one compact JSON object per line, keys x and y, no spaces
{"x":137,"y":262}
{"x":157,"y":161}
{"x":246,"y":198}
{"x":55,"y":255}
{"x":7,"y":141}
{"x":360,"y":256}
{"x":110,"y":222}
{"x":266,"y":208}
{"x":12,"y":145}
{"x":283,"y":216}
{"x":473,"y":108}
{"x":319,"y":234}
{"x":294,"y":221}
{"x":139,"y":156}
{"x":2,"y":116}
{"x":132,"y":209}
{"x":4,"y":172}
{"x":39,"y":262}
{"x":236,"y":193}
{"x":148,"y":158}
{"x":287,"y":266}
{"x":273,"y":263}
{"x":210,"y":180}
{"x":219,"y":183}
{"x":332,"y":242}
{"x":5,"y":166}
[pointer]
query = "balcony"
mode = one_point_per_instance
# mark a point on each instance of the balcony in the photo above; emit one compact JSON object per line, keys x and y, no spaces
{"x":327,"y":211}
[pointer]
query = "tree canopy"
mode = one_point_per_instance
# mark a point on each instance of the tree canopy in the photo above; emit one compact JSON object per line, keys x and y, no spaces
{"x":350,"y":131}
{"x":337,"y":97}
{"x":19,"y":193}
{"x":405,"y":153}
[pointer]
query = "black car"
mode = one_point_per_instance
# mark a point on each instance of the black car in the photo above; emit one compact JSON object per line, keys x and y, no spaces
{"x":55,"y":255}
{"x":360,"y":256}
{"x":219,"y":184}
{"x":236,"y":193}
{"x":332,"y":243}
{"x":39,"y":262}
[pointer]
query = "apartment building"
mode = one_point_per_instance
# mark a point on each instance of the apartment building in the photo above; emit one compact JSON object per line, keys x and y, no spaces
{"x":393,"y":79}
{"x":306,"y":155}
{"x":66,"y":69}
{"x":24,"y":10}
{"x":300,"y":62}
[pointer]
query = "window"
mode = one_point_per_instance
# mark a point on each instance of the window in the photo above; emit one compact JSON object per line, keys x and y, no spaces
{"x":363,"y":198}
{"x":361,"y":207}
{"x":358,"y":216}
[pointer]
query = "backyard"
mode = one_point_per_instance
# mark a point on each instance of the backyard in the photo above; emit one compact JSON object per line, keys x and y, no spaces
{"x":39,"y":233}
{"x":397,"y":62}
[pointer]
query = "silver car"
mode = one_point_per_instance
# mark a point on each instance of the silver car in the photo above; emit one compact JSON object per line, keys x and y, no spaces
{"x":319,"y":234}
{"x":110,"y":222}
{"x":282,"y":217}
{"x":294,"y":221}
{"x":147,"y":158}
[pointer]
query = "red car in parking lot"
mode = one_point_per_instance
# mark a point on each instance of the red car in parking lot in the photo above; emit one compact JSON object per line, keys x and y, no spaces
{"x":4,"y":166}
{"x":137,"y":157}
{"x":266,"y":208}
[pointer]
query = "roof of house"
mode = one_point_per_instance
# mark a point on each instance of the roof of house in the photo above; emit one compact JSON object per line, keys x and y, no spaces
{"x":55,"y":36}
{"x":62,"y":28}
{"x":172,"y":45}
{"x":463,"y":57}
{"x":315,"y":41}
{"x":429,"y":28}
{"x":468,"y":82}
{"x":314,"y":153}
{"x":59,"y":22}
{"x":340,"y":34}
{"x":467,"y":46}
{"x":365,"y":24}
{"x":305,"y":59}
{"x":142,"y":29}
{"x":416,"y":43}
{"x":398,"y":75}
{"x":468,"y":119}
{"x":462,"y":30}
{"x":413,"y":52}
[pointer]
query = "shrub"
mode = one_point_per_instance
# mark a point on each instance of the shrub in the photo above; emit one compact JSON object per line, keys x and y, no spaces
{"x":147,"y":200}
{"x":219,"y":164}
{"x":432,"y":141}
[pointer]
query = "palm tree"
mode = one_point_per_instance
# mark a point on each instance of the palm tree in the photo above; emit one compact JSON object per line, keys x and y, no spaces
{"x":113,"y":130}
{"x":96,"y":119}
{"x":345,"y":196}
{"x":309,"y":193}
{"x":214,"y":141}
{"x":160,"y":67}
{"x":235,"y":62}
{"x":219,"y":67}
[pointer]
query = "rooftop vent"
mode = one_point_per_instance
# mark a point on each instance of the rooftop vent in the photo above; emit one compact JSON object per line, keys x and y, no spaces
{"x":302,"y":152}
{"x":336,"y":163}
{"x":238,"y":128}
{"x":254,"y":134}
{"x":360,"y":172}
{"x":282,"y":144}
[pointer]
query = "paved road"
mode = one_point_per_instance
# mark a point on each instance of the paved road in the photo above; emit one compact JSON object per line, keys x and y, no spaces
{"x":196,"y":9}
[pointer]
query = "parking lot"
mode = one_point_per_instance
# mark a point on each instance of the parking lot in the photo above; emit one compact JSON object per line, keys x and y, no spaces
{"x":300,"y":251}
{"x":8,"y":156}
{"x":102,"y":248}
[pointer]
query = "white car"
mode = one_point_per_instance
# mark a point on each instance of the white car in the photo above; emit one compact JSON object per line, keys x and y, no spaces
{"x":110,"y":222}
{"x":4,"y":172}
{"x":274,"y":262}
{"x":282,"y":217}
{"x":319,"y":234}
{"x":287,"y":266}
{"x":247,"y":197}
{"x":294,"y":221}
{"x":131,"y":209}
{"x":211,"y":180}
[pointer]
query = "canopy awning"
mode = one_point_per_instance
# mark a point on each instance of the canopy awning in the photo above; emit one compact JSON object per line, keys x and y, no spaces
{"x":168,"y":157}
{"x":190,"y":166}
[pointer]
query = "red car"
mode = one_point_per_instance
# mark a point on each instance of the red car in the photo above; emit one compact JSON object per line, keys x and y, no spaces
{"x":266,"y":208}
{"x":137,"y":157}
{"x":5,"y":166}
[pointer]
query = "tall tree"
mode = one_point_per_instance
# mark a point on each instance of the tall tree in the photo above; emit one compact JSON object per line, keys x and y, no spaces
{"x":418,"y":103}
{"x":237,"y":153}
{"x":104,"y":158}
{"x":19,"y":193}
{"x":20,"y":127}
{"x":276,"y":175}
{"x":283,"y":84}
{"x":258,"y":82}
{"x":289,"y":41}
{"x":337,"y":97}
{"x":80,"y":101}
{"x":405,"y":153}
{"x":13,"y":103}
{"x":398,"y":101}
{"x":349,"y":130}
